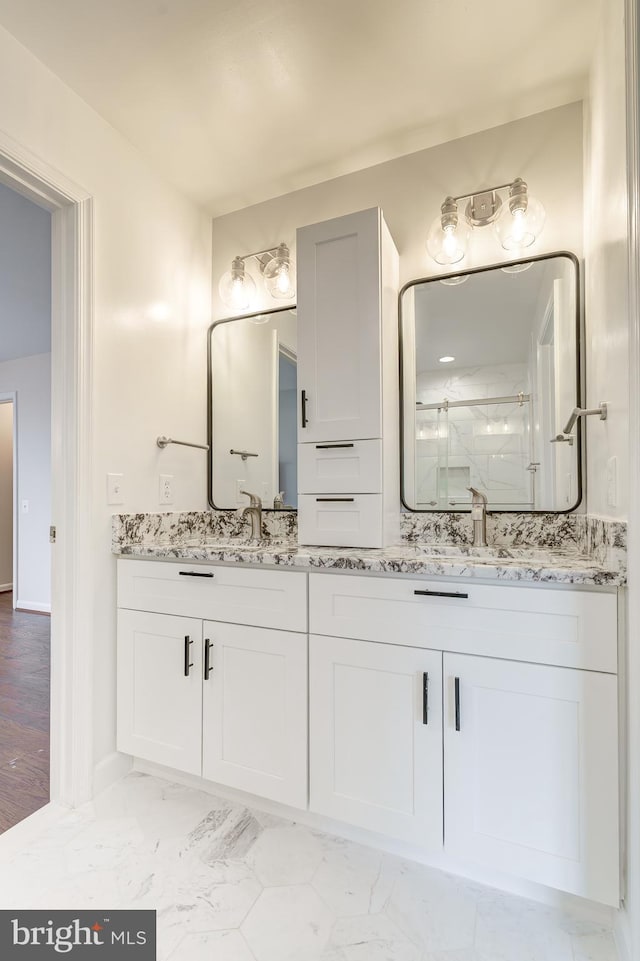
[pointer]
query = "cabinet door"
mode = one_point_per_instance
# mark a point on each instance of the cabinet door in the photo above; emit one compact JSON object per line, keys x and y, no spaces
{"x":376,"y":737}
{"x":339,"y":333}
{"x":255,"y":711}
{"x":531,"y":772}
{"x":160,"y":688}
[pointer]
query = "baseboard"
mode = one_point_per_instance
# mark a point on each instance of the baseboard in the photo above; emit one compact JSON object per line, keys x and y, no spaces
{"x":110,"y":769}
{"x":5,"y":587}
{"x":622,"y":935}
{"x":572,"y":904}
{"x":33,"y":607}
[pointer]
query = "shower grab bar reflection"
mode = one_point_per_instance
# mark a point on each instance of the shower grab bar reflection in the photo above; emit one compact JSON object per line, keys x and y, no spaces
{"x":163,"y":442}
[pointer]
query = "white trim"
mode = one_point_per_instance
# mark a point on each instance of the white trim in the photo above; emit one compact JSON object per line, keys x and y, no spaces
{"x":110,"y":769}
{"x":11,"y":397}
{"x":71,"y":403}
{"x":622,"y":936}
{"x":4,"y":588}
{"x":628,"y":924}
{"x":32,"y":606}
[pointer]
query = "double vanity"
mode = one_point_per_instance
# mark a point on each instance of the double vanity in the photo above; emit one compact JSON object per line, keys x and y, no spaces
{"x":366,"y":663}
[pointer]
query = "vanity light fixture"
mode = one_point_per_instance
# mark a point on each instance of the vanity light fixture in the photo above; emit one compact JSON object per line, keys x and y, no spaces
{"x":517,"y":221}
{"x":237,"y":287}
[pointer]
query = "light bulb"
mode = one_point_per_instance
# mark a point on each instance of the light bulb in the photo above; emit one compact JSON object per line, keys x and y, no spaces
{"x":237,"y":288}
{"x":279,"y":277}
{"x":521,"y":220}
{"x":448,"y":236}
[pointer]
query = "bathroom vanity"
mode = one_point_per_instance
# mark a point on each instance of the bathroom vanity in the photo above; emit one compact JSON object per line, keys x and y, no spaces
{"x":427,"y":694}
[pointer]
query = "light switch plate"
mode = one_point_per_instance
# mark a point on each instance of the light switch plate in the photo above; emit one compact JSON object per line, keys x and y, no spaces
{"x":115,"y":488}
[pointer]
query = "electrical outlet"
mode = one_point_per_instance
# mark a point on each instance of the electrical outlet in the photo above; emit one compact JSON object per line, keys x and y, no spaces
{"x":166,"y":488}
{"x":240,"y":486}
{"x":115,"y":488}
{"x":612,"y":482}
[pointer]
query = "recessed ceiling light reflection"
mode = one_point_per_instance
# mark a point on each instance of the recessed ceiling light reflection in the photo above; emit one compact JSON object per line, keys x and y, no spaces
{"x":446,"y":359}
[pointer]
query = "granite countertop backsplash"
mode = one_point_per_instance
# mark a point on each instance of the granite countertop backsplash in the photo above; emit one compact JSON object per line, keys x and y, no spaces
{"x":545,"y":548}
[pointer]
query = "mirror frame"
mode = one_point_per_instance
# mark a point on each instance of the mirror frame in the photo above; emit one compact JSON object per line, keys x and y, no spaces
{"x":580,"y":446}
{"x":217,"y":323}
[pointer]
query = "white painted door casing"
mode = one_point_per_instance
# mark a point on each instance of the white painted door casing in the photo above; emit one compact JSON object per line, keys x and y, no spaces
{"x":255,"y":711}
{"x":531,"y":776}
{"x":374,"y":760}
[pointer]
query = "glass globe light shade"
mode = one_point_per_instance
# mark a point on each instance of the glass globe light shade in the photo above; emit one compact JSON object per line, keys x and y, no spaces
{"x":237,"y":288}
{"x":279,"y":275}
{"x":448,"y":244}
{"x":520,"y":222}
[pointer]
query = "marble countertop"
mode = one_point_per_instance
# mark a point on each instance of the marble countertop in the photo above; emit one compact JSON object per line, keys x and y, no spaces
{"x":525,"y":564}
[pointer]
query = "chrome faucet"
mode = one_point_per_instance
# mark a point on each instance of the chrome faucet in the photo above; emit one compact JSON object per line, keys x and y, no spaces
{"x":479,"y":517}
{"x":254,"y":511}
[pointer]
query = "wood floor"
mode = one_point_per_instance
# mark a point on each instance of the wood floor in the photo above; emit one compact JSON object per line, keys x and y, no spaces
{"x":24,"y":712}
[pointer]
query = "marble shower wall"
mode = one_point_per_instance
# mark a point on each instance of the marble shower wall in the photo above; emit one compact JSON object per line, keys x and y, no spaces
{"x":485,"y":446}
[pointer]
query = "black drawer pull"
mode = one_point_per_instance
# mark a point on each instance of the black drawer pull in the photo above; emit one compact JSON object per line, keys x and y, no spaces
{"x":303,"y":408}
{"x":207,"y":658}
{"x":441,"y":594}
{"x":425,"y":698}
{"x":335,"y":500}
{"x":456,"y":684}
{"x":333,"y":446}
{"x":187,"y":654}
{"x":195,"y":574}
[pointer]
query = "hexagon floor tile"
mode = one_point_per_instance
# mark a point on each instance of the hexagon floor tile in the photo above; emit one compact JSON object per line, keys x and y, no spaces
{"x":233,"y":884}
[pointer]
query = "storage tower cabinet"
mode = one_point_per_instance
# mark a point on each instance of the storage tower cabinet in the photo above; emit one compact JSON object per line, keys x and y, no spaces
{"x":348,"y":465}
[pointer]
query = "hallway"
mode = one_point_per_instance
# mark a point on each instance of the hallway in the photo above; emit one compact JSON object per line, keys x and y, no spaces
{"x":24,"y":712}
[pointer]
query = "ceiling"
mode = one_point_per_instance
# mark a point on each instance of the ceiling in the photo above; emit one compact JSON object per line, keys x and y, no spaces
{"x":237,"y":101}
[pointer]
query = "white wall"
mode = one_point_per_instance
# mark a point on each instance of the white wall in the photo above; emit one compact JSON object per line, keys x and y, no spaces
{"x":25,"y":277}
{"x":6,"y":495}
{"x":152,"y":309}
{"x":30,"y":377}
{"x":606,"y":299}
{"x":545,"y":149}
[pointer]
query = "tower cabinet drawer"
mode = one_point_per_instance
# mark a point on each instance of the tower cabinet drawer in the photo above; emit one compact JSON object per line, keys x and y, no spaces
{"x":340,"y":520}
{"x":275,"y":599}
{"x":567,"y":628}
{"x":331,"y":468}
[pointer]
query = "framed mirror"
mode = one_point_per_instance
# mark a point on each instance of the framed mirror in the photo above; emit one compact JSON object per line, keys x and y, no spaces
{"x":490,"y":373}
{"x":252,"y":381}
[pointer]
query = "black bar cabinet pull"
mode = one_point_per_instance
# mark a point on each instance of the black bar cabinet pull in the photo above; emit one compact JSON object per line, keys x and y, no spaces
{"x":456,"y":684}
{"x":195,"y":574}
{"x":335,"y":500}
{"x":425,"y":698}
{"x":333,"y":446}
{"x":187,"y":654}
{"x":441,"y":594}
{"x":207,"y":658}
{"x":303,"y":407}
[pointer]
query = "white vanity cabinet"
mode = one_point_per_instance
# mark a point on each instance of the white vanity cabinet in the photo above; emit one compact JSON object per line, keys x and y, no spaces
{"x":529,"y":718}
{"x":375,"y":737}
{"x":531,"y":772}
{"x":347,"y":380}
{"x":227,"y":701}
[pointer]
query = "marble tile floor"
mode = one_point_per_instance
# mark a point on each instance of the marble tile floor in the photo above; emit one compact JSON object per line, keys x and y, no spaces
{"x":234,"y":884}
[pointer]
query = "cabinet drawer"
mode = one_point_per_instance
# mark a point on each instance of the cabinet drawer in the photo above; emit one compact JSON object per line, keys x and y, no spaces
{"x":331,"y":468}
{"x":260,"y":598}
{"x":567,"y":628}
{"x":340,"y":520}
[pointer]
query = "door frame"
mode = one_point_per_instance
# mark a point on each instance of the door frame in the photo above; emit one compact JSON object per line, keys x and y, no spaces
{"x":72,"y":323}
{"x":11,"y":397}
